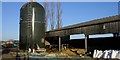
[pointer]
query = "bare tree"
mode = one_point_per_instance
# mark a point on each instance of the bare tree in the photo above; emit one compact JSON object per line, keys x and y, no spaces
{"x":59,"y":12}
{"x":46,"y":6}
{"x":32,"y":0}
{"x":52,"y":15}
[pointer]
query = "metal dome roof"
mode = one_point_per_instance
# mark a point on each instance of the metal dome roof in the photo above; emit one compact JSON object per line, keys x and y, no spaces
{"x":33,"y":4}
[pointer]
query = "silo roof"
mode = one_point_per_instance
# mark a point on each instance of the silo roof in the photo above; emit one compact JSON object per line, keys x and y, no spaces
{"x":34,"y":4}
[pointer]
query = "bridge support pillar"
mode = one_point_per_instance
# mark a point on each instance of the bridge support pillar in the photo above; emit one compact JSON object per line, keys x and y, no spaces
{"x":86,"y":38}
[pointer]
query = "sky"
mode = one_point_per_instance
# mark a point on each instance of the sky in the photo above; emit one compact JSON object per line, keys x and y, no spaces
{"x":72,"y":13}
{"x":0,"y":21}
{"x":62,"y":0}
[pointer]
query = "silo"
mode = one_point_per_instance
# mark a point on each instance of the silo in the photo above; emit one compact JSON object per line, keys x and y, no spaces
{"x":32,"y":25}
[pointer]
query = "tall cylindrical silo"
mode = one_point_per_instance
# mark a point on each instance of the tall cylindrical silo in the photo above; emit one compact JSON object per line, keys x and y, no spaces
{"x":32,"y":25}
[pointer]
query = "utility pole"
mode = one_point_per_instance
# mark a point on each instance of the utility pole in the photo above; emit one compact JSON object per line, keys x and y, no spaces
{"x":59,"y":12}
{"x":47,"y":12}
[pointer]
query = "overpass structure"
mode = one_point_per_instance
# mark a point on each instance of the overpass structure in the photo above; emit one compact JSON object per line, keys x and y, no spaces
{"x":105,"y":25}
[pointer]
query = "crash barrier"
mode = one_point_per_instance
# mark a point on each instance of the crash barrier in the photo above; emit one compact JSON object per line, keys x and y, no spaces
{"x":112,"y":54}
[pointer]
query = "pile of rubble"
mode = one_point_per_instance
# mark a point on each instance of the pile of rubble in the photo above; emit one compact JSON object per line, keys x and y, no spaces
{"x":56,"y":55}
{"x":74,"y":52}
